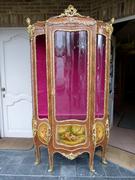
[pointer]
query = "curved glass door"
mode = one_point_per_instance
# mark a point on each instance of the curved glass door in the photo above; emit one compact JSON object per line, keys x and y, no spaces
{"x":70,"y":59}
{"x":100,"y":76}
{"x":41,"y":77}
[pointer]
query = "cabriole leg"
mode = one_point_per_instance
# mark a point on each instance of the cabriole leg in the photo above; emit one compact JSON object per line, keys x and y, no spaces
{"x":103,"y":155}
{"x":37,"y":154}
{"x":91,"y":162}
{"x":50,"y":154}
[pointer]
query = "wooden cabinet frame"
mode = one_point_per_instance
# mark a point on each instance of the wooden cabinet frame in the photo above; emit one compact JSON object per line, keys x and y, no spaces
{"x":96,"y":130}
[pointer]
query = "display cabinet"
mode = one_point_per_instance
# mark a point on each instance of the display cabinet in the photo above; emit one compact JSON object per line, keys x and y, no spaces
{"x":70,"y":81}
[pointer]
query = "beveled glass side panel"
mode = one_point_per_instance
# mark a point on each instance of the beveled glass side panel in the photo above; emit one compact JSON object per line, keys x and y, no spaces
{"x":100,"y":76}
{"x":41,"y":76}
{"x":70,"y":58}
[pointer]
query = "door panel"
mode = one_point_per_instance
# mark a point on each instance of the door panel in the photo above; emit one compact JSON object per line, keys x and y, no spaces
{"x":16,"y":83}
{"x":71,"y":74}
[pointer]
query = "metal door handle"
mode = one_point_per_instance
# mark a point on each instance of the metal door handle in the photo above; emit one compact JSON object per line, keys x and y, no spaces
{"x":3,"y":89}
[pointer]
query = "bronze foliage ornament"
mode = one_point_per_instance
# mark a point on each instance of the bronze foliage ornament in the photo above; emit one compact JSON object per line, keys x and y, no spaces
{"x":109,"y":27}
{"x":34,"y":126}
{"x":70,"y":12}
{"x":30,"y":28}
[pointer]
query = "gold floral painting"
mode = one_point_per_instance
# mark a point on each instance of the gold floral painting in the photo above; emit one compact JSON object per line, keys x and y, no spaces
{"x":71,"y":134}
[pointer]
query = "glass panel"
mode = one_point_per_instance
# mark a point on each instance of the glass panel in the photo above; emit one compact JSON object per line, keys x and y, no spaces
{"x":71,"y":74}
{"x":100,"y":76}
{"x":41,"y":76}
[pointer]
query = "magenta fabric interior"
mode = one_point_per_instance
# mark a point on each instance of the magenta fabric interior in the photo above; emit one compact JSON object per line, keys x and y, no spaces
{"x":100,"y":76}
{"x":41,"y":76}
{"x":70,"y":74}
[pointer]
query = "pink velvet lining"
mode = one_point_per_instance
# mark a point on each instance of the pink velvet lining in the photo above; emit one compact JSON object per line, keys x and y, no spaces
{"x":41,"y":76}
{"x":100,"y":76}
{"x":71,"y":75}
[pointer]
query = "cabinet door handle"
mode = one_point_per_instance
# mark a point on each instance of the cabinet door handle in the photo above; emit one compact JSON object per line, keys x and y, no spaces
{"x":3,"y":89}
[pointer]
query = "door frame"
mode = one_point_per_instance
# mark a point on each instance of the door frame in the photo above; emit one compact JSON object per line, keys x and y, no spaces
{"x":1,"y":112}
{"x":2,"y":133}
{"x":111,"y":95}
{"x":120,"y":20}
{"x":128,"y":18}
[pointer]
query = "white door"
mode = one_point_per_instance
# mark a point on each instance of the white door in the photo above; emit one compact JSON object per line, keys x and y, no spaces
{"x":112,"y":76}
{"x":15,"y":83}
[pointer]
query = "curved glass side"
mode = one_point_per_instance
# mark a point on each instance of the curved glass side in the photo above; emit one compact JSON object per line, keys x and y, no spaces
{"x":41,"y":77}
{"x":100,"y":76}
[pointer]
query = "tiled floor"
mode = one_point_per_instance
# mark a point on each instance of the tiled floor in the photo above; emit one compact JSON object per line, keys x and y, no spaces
{"x":19,"y":165}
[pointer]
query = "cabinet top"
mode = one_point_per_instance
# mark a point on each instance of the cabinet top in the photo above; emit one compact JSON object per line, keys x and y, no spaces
{"x":70,"y":16}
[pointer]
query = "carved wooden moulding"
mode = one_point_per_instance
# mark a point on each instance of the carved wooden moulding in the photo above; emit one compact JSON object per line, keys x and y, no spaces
{"x":70,"y":56}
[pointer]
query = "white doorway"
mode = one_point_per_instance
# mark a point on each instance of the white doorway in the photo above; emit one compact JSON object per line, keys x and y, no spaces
{"x":15,"y":83}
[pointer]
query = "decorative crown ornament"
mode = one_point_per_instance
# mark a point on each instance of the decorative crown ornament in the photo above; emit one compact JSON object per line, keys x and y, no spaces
{"x":70,"y":11}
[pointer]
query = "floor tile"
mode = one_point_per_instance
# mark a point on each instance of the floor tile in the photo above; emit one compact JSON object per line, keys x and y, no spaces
{"x":19,"y":165}
{"x":24,"y":169}
{"x":82,"y":171}
{"x":27,"y":178}
{"x":112,"y":170}
{"x":125,"y":172}
{"x":15,"y":160}
{"x":37,"y":170}
{"x":4,"y":159}
{"x":99,"y":169}
{"x":28,"y":160}
{"x":55,"y":172}
{"x":68,"y":170}
{"x":9,"y":169}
